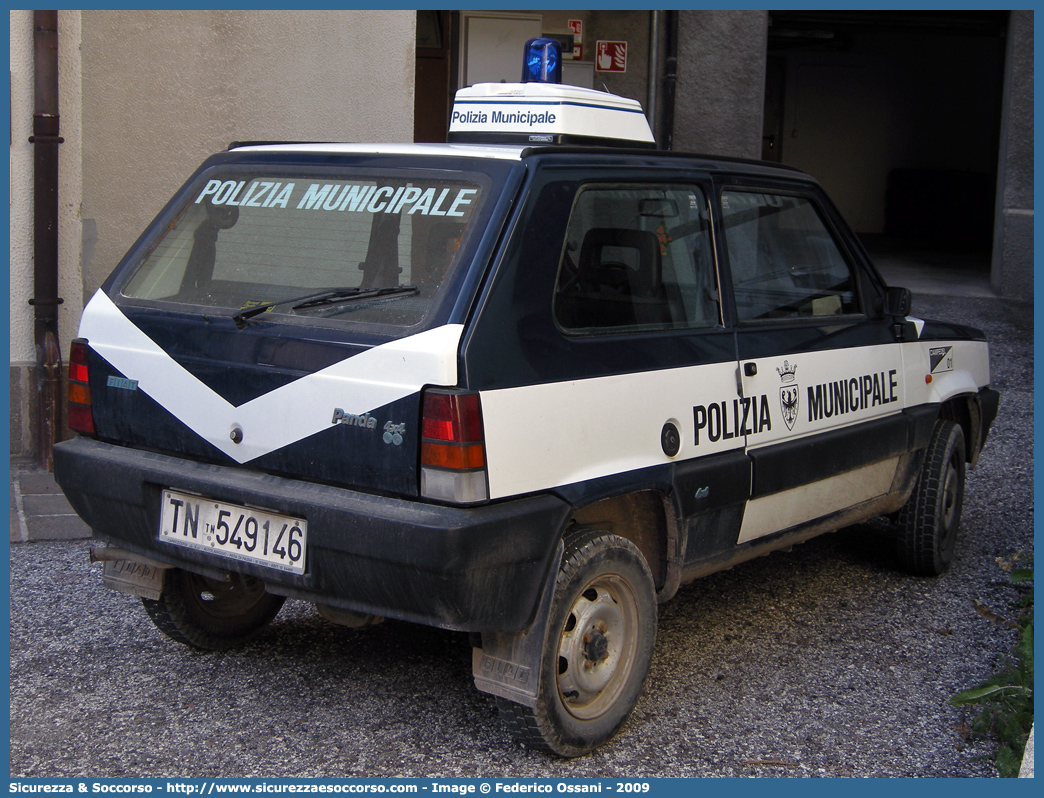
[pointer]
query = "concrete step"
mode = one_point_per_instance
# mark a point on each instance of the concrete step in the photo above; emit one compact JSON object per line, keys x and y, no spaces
{"x":40,"y":511}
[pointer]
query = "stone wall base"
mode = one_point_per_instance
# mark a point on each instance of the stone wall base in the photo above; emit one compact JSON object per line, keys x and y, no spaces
{"x":1012,"y":274}
{"x":25,"y":409}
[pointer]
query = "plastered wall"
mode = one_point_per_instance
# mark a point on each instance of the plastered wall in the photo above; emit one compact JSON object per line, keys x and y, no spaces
{"x":720,"y":97}
{"x":21,"y":186}
{"x":1014,"y":218}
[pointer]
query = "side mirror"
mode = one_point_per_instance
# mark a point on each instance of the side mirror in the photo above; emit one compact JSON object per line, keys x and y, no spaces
{"x":898,"y":301}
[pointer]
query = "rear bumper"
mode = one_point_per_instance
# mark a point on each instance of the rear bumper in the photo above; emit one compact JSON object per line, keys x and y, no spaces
{"x":470,"y":569}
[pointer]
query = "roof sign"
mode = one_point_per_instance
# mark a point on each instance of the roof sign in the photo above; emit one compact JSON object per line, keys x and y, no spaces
{"x":546,"y":113}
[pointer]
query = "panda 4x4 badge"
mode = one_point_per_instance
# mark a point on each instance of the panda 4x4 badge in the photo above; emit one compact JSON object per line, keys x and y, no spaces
{"x":789,"y":393}
{"x":393,"y":433}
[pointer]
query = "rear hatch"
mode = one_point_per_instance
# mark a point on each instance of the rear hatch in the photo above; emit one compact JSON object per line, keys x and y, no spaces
{"x":286,"y":309}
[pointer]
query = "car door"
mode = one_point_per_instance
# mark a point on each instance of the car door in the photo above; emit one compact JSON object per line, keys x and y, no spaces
{"x":600,"y":351}
{"x":820,"y":366}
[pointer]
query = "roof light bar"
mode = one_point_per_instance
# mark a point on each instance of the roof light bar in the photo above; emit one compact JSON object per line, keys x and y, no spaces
{"x":542,"y":61}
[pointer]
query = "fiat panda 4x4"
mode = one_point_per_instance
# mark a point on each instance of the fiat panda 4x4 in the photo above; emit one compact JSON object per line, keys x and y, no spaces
{"x":523,"y":384}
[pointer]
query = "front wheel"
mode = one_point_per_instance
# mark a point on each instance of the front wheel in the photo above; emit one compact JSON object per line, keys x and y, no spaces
{"x":928,"y":522}
{"x":210,"y":614}
{"x":598,"y":648}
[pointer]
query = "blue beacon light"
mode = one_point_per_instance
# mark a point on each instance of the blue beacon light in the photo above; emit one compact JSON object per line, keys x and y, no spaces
{"x":542,"y":61}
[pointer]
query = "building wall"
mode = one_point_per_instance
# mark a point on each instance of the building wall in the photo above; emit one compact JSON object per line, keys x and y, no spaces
{"x":145,"y":96}
{"x":21,"y":220}
{"x":21,"y":185}
{"x":627,"y":26}
{"x":720,"y":96}
{"x":1012,"y":271}
{"x":631,"y":27}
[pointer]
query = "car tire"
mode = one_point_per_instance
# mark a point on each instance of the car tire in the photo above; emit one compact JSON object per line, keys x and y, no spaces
{"x":928,"y":522}
{"x":210,"y":614}
{"x":597,"y":651}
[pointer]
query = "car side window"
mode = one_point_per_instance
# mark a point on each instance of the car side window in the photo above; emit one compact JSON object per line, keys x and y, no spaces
{"x":637,"y":258}
{"x":783,"y":259}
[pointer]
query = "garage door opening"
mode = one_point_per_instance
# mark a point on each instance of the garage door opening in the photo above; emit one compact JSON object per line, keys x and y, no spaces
{"x":898,"y":115}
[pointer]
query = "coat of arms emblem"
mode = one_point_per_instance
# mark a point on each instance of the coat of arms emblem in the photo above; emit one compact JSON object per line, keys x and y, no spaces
{"x":789,"y":393}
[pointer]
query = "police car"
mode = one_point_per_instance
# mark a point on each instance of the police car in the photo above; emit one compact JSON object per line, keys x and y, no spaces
{"x":524,"y":384}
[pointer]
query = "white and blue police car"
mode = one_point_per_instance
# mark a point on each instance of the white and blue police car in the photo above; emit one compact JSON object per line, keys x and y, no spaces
{"x":523,"y":384}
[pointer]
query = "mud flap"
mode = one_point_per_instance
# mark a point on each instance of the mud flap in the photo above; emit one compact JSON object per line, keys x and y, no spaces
{"x":508,"y":664}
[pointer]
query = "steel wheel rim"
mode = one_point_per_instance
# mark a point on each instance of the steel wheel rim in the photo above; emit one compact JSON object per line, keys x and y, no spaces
{"x":596,"y":649}
{"x":225,"y":599}
{"x":949,"y":498}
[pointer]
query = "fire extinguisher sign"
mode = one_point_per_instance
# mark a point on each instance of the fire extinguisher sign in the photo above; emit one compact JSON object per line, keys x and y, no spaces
{"x":610,"y":56}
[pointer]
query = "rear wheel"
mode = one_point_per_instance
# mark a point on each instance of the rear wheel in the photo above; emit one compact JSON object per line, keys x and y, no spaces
{"x":599,"y":645}
{"x":211,"y":614}
{"x":928,"y":522}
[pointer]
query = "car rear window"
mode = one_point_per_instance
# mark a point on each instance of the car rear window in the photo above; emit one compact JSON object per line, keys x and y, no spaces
{"x":242,"y":240}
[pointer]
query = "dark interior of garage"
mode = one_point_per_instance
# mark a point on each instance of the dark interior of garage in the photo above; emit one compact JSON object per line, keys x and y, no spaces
{"x":898,"y":114}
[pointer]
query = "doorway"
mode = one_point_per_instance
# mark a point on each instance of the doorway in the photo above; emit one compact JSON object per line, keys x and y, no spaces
{"x":898,"y":115}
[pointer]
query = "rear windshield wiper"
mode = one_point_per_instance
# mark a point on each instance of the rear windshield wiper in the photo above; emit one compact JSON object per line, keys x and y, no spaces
{"x":329,"y":297}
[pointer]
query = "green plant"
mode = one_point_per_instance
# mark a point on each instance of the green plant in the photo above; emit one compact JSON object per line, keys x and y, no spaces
{"x":1005,"y":700}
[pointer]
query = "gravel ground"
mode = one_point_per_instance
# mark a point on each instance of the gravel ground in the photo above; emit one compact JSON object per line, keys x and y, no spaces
{"x":823,"y":661}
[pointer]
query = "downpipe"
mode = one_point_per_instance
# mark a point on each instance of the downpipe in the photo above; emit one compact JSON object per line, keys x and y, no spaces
{"x":45,"y":301}
{"x":651,"y":107}
{"x":670,"y":81}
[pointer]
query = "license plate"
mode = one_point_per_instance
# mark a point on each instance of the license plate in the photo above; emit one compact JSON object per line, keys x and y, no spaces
{"x":240,"y":533}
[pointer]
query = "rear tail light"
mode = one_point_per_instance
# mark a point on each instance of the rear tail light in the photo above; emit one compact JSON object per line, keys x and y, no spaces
{"x":453,"y":454}
{"x":81,"y":417}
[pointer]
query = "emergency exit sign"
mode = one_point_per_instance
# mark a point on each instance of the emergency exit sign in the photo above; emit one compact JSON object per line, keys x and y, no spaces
{"x":610,"y":56}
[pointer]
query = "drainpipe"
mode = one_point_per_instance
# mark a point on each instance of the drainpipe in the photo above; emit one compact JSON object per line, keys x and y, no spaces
{"x":670,"y":79}
{"x":654,"y":69}
{"x":45,"y":301}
